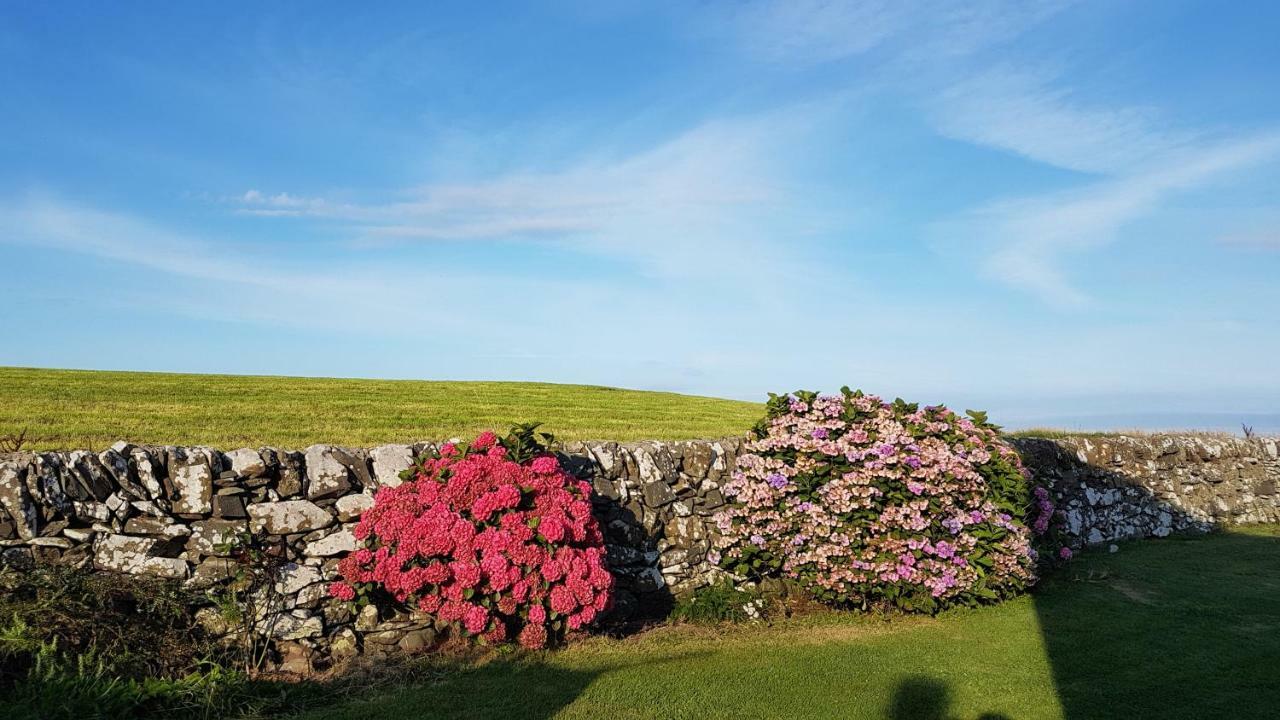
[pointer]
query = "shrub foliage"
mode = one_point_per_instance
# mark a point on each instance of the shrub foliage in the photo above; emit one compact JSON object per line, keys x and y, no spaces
{"x":504,"y":549}
{"x":868,"y":503}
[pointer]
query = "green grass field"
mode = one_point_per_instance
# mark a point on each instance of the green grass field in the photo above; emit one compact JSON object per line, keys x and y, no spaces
{"x":1174,"y":628}
{"x":79,"y":408}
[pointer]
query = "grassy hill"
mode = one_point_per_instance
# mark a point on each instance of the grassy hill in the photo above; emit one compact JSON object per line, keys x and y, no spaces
{"x":81,"y":408}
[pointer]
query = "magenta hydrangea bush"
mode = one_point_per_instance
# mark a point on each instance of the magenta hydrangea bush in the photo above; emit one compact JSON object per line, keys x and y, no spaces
{"x":493,"y":537}
{"x":868,"y":503}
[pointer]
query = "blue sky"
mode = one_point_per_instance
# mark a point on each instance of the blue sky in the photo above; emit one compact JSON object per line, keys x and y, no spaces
{"x":1049,"y":209}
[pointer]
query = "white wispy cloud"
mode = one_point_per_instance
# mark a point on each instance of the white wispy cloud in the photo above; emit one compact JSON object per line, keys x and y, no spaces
{"x":706,"y":197}
{"x":1031,"y":238}
{"x":806,"y":32}
{"x":1025,"y":113}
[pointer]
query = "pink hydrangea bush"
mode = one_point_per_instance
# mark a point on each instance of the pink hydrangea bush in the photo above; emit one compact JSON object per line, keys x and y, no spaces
{"x":504,"y":550}
{"x":868,"y":503}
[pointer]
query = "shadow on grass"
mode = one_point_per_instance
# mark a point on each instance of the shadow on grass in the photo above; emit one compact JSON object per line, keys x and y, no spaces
{"x":926,"y":698}
{"x":520,"y":688}
{"x":1182,"y":627}
{"x":1177,"y":628}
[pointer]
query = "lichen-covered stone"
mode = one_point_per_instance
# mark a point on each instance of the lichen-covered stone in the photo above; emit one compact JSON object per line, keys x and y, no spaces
{"x":247,"y":463}
{"x":91,"y":475}
{"x":136,"y":556}
{"x":150,"y":472}
{"x":118,"y":467}
{"x":289,"y":516}
{"x":293,"y":473}
{"x":192,"y":476}
{"x":46,"y":475}
{"x":294,"y":577}
{"x":327,"y":473}
{"x":339,"y":542}
{"x":388,"y":462}
{"x":156,"y":527}
{"x":16,"y":500}
{"x":350,"y":507}
{"x":208,"y":535}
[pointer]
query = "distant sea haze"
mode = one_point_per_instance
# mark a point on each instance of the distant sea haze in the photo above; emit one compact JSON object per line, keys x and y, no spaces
{"x":1261,"y":423}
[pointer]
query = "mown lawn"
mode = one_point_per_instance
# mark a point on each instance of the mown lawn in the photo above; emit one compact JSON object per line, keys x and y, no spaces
{"x":78,"y":408}
{"x":1175,"y":628}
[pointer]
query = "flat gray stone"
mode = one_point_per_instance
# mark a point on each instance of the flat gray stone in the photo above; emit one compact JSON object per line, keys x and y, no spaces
{"x":327,"y":475}
{"x":247,"y":463}
{"x":289,"y":516}
{"x":388,"y":462}
{"x":136,"y":556}
{"x":192,"y":476}
{"x":350,"y":507}
{"x":340,"y":542}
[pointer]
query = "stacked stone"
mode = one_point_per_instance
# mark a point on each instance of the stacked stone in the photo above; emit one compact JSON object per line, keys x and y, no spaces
{"x":654,"y":501}
{"x":169,"y":511}
{"x":1116,"y":487}
{"x":166,"y":512}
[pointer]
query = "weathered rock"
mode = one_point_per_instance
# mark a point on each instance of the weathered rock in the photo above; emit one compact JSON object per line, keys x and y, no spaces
{"x":150,"y":472}
{"x":294,"y":577}
{"x":228,"y":506}
{"x":136,"y":556}
{"x":16,"y":500}
{"x":79,"y":535}
{"x":388,"y":462}
{"x":47,"y":472}
{"x":294,"y":658}
{"x":328,"y":472}
{"x":417,"y":641}
{"x":297,"y":625}
{"x":211,"y":571}
{"x":367,"y":619}
{"x":18,"y":558}
{"x":344,"y":644}
{"x":192,"y":476}
{"x":289,"y":516}
{"x":118,"y":468}
{"x":339,"y":542}
{"x":91,"y":475}
{"x":208,"y":535}
{"x":247,"y":463}
{"x":657,"y":494}
{"x":156,"y":527}
{"x":293,"y":473}
{"x":350,"y":507}
{"x":90,"y":511}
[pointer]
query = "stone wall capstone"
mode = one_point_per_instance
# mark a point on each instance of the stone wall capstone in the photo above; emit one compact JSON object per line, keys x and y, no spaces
{"x":164,"y":511}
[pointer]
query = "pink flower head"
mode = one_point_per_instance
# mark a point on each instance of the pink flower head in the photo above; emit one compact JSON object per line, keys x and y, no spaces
{"x":533,"y":636}
{"x":475,"y":619}
{"x":537,"y":614}
{"x":342,"y":591}
{"x":544,"y":465}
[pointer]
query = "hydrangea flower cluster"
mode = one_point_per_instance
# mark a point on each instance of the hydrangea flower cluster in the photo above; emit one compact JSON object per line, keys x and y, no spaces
{"x":505,"y":550}
{"x":870,"y":503}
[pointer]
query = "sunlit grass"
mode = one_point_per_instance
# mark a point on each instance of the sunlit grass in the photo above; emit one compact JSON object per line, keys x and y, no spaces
{"x":1174,"y":628}
{"x":77,"y":408}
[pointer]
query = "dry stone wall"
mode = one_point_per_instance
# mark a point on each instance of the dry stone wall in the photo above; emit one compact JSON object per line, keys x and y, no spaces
{"x":165,"y":511}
